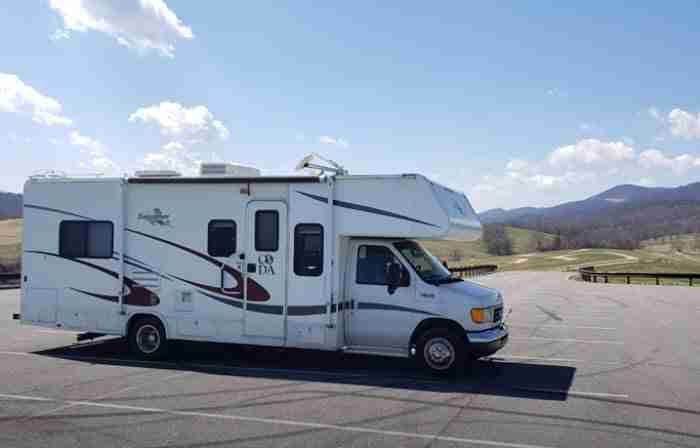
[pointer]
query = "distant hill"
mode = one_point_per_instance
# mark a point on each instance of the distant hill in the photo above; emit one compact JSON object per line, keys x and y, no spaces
{"x":10,"y":205}
{"x":625,"y":212}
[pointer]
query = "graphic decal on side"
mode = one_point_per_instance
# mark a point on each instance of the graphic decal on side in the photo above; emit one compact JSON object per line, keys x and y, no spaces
{"x":256,"y":293}
{"x":135,"y":294}
{"x":365,"y":208}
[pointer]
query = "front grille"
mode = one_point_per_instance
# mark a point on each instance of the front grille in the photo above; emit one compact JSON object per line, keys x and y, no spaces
{"x":497,"y":314}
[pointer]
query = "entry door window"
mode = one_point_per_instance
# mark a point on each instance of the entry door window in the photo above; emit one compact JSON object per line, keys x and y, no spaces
{"x":267,"y":230}
{"x":372,"y":263}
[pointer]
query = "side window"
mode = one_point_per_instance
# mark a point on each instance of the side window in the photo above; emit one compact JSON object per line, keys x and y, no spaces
{"x":308,"y":250}
{"x":267,"y":230}
{"x":221,"y":241}
{"x":372,"y":262}
{"x":86,"y":239}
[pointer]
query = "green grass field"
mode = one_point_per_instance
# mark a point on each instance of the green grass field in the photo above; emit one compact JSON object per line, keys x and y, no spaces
{"x":10,"y":241}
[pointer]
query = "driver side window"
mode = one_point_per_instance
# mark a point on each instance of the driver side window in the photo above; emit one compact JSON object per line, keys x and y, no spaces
{"x":372,"y":262}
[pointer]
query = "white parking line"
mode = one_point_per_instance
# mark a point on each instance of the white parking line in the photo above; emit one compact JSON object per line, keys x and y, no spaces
{"x":117,"y":392}
{"x":580,"y":341}
{"x":274,"y":421}
{"x":546,"y":359}
{"x":584,"y":327}
{"x":574,"y":393}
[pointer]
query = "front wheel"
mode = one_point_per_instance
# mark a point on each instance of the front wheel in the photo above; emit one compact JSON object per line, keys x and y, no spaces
{"x":440,"y":351}
{"x":147,"y":339}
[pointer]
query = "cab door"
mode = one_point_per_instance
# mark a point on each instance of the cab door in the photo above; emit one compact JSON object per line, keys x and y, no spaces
{"x":379,"y":317}
{"x":265,"y":269}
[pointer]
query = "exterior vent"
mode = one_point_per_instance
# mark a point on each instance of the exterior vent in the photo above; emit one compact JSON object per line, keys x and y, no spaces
{"x":157,"y":173}
{"x":228,"y":170}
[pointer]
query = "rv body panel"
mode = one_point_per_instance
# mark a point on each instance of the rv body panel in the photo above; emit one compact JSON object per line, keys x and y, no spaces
{"x":268,"y":261}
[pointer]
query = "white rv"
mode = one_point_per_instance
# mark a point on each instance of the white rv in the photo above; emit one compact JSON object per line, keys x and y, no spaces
{"x":327,"y":262}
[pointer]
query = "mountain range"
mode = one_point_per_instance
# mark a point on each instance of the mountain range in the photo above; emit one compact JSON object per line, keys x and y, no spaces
{"x":10,"y":205}
{"x":624,"y":212}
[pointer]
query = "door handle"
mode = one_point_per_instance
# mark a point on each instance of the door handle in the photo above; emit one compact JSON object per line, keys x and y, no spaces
{"x":427,"y":295}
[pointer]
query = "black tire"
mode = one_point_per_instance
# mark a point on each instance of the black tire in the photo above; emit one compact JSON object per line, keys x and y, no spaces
{"x":147,"y":339}
{"x":441,"y":352}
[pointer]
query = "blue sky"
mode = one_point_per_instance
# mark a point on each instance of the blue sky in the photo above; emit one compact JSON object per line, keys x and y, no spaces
{"x":527,"y":103}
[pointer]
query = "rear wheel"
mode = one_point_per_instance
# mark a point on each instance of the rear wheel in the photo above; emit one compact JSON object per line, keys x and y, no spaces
{"x":147,"y":338}
{"x":440,"y":351}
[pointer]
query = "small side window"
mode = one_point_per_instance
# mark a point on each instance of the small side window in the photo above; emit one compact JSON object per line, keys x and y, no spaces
{"x":86,"y":239}
{"x":308,"y":250}
{"x":267,"y":230}
{"x":221,"y":241}
{"x":372,"y":263}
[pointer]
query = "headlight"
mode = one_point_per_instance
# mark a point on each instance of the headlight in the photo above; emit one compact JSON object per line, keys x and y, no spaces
{"x":482,"y":315}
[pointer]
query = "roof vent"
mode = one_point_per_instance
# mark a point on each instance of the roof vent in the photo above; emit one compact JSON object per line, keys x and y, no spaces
{"x":228,"y":170}
{"x":157,"y":173}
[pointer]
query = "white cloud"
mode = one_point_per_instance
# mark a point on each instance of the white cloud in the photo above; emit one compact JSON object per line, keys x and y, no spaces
{"x":684,"y":124}
{"x":591,"y":152}
{"x":97,"y":158}
{"x":91,"y":145}
{"x":59,"y":34}
{"x":647,"y":182}
{"x":141,"y":25}
{"x":653,"y":158}
{"x":556,"y":92}
{"x":173,"y":156}
{"x":517,"y":165}
{"x":20,"y":98}
{"x":194,"y":124}
{"x":327,"y":140}
{"x":655,"y":114}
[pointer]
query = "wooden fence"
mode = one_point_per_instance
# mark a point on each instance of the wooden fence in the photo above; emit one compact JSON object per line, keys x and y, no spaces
{"x":589,"y":274}
{"x":474,"y":271}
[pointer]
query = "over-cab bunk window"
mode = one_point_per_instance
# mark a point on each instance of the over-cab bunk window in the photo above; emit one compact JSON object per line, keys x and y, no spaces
{"x":86,"y":239}
{"x":308,"y":250}
{"x":221,"y":241}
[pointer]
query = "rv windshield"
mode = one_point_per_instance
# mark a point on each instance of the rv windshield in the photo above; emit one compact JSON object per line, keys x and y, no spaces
{"x":425,"y":264}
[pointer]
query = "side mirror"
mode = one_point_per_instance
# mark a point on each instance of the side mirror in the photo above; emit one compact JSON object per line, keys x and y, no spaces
{"x":393,"y":276}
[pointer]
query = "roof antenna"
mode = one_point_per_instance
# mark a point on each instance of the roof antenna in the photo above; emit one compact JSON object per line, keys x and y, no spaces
{"x":308,"y":162}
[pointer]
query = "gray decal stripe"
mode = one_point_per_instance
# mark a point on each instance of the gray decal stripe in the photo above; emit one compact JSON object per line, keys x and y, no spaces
{"x":113,"y":299}
{"x":387,"y":307}
{"x":305,"y":310}
{"x":254,"y":307}
{"x":76,"y":260}
{"x":365,"y":208}
{"x":55,"y":210}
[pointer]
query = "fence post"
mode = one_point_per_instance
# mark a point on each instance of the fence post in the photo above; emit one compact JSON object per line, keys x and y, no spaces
{"x":691,"y":280}
{"x":606,"y":279}
{"x":628,"y":280}
{"x":657,"y":281}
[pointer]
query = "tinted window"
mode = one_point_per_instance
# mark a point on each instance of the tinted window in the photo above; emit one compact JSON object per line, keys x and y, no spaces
{"x":221,"y":240}
{"x":267,"y":230}
{"x":308,"y":250}
{"x":86,"y":239}
{"x":372,"y":262}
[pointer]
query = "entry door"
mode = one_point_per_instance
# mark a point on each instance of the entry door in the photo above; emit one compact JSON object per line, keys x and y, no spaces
{"x":266,"y":269}
{"x":379,"y":318}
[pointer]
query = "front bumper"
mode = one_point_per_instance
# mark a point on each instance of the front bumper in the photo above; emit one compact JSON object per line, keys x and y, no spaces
{"x":487,"y":342}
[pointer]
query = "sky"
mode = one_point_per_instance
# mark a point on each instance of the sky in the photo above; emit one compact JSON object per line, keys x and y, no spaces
{"x":516,"y":104}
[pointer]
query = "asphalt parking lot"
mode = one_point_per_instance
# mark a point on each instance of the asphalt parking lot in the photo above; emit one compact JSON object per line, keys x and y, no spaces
{"x":586,"y":365}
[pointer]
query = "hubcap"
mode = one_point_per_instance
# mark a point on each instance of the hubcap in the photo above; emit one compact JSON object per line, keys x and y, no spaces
{"x":439,"y":353}
{"x":148,"y":338}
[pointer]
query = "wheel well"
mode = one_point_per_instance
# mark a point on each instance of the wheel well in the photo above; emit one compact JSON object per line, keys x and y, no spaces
{"x":434,"y":322}
{"x":138,"y":316}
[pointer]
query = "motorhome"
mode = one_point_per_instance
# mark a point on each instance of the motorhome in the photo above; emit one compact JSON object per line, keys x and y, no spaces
{"x":328,"y":261}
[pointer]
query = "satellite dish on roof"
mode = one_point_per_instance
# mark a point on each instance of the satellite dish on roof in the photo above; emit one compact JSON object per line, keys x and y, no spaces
{"x":309,"y":162}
